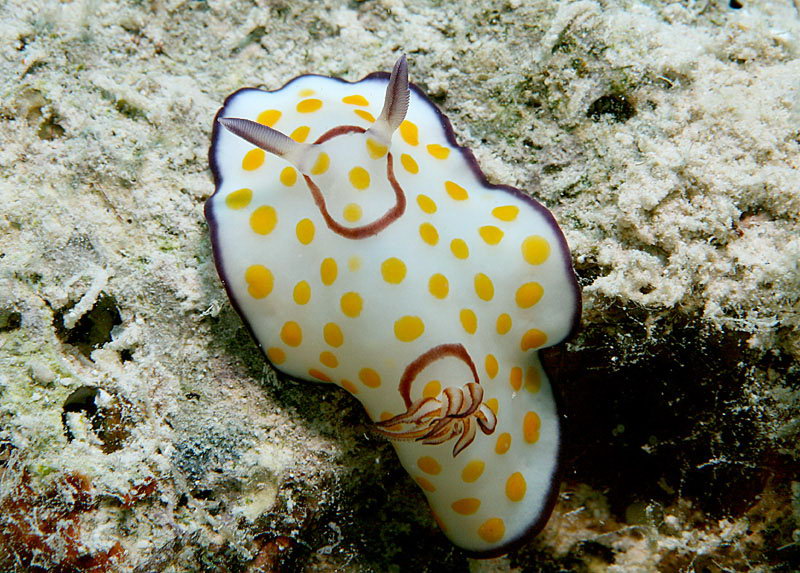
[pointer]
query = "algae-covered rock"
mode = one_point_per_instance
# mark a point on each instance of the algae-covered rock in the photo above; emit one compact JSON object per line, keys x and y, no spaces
{"x":141,"y":430}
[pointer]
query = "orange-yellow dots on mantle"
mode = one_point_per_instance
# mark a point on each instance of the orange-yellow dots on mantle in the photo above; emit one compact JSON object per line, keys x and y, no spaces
{"x":408,"y":328}
{"x":409,"y":132}
{"x":356,"y":100}
{"x":352,"y":304}
{"x":269,"y":117}
{"x":309,"y":105}
{"x":472,"y":471}
{"x":532,"y":339}
{"x":364,"y":248}
{"x":369,"y":377}
{"x":259,"y":281}
{"x":239,"y":199}
{"x":264,"y":219}
{"x":292,"y":334}
{"x":466,"y":506}
{"x":253,"y":159}
{"x":429,"y":465}
{"x":492,"y":530}
{"x":288,"y":176}
{"x":393,"y":270}
{"x":301,"y":134}
{"x":359,"y":177}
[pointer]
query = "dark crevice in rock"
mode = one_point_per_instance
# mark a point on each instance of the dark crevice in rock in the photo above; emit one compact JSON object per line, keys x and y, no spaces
{"x":110,"y":420}
{"x":658,"y":413}
{"x":93,"y":329}
{"x":9,"y":320}
{"x":616,"y":107}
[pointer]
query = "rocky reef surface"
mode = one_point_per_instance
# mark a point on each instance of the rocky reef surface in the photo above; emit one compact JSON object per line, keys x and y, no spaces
{"x":140,"y":429}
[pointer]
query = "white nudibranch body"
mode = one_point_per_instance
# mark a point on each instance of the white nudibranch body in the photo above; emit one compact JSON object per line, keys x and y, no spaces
{"x":364,"y":248}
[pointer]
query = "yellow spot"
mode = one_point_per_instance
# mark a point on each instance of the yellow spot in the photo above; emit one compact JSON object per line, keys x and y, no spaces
{"x":386,"y":415}
{"x":533,"y":382}
{"x":291,"y":334}
{"x":328,"y":359}
{"x":429,"y":465}
{"x":534,"y":338}
{"x":535,"y":249}
{"x":409,"y":132}
{"x":239,"y":199}
{"x":333,"y":334}
{"x":408,"y":328}
{"x":306,"y":92}
{"x":376,"y":150}
{"x":530,"y":427}
{"x":429,"y":233}
{"x":369,"y":377}
{"x":355,"y":100}
{"x":484,"y":287}
{"x":459,"y":248}
{"x":309,"y":105}
{"x":503,"y":443}
{"x":253,"y":159}
{"x":300,"y":134}
{"x":352,"y":212}
{"x":354,"y":263}
{"x":469,"y":321}
{"x":425,"y":484}
{"x":491,"y":234}
{"x":269,"y":117}
{"x":439,"y":286}
{"x":472,"y":471}
{"x":506,"y":212}
{"x":492,"y":530}
{"x":328,"y":271}
{"x":305,"y":231}
{"x":321,"y":376}
{"x":432,"y":389}
{"x":352,"y":304}
{"x":263,"y":220}
{"x":359,"y":178}
{"x":456,"y":191}
{"x":276,"y":355}
{"x":393,"y":270}
{"x":491,"y":365}
{"x":529,"y":294}
{"x":466,"y":506}
{"x":503,"y":323}
{"x":289,"y":176}
{"x":409,"y":164}
{"x":494,"y":406}
{"x":321,"y":164}
{"x":364,"y":114}
{"x":302,"y":292}
{"x":426,"y":204}
{"x":515,"y":378}
{"x":516,"y":487}
{"x":349,"y":386}
{"x":438,"y":151}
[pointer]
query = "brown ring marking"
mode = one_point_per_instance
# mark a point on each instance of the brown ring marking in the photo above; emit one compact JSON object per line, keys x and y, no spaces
{"x":365,"y":230}
{"x":427,"y":358}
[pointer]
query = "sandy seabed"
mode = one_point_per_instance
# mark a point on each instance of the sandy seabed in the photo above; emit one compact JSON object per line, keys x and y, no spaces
{"x":140,"y":429}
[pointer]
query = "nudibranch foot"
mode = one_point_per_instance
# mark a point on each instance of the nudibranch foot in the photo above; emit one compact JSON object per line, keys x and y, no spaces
{"x":363,"y":247}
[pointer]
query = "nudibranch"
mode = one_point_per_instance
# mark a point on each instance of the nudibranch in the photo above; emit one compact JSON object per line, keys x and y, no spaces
{"x":363,"y":247}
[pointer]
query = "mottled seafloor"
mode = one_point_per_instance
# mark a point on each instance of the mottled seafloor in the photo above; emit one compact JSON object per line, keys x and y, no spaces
{"x":140,"y":429}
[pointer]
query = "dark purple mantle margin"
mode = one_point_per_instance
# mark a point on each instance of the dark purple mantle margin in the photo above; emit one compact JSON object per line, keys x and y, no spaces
{"x":541,"y":520}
